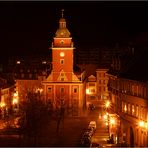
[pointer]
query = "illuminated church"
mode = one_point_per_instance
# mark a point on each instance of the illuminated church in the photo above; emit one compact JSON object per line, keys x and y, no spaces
{"x":64,"y":86}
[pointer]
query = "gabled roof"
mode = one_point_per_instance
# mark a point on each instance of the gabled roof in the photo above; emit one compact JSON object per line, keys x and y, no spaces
{"x":91,"y":78}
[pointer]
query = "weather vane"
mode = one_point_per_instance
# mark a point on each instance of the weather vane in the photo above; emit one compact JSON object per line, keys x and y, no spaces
{"x":62,"y":12}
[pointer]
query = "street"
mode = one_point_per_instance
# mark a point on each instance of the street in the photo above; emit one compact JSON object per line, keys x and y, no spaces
{"x":69,"y":134}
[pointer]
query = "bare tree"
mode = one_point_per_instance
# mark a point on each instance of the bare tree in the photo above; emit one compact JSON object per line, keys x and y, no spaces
{"x":35,"y":117}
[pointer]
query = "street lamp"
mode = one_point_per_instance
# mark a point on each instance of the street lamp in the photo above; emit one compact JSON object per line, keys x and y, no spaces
{"x":2,"y":106}
{"x":142,"y":124}
{"x":15,"y":101}
{"x":107,"y":104}
{"x":107,"y":119}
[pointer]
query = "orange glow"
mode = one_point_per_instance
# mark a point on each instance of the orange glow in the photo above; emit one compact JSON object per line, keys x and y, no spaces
{"x":2,"y":104}
{"x":133,"y":110}
{"x":15,"y":101}
{"x":15,"y":94}
{"x":87,"y":91}
{"x":112,"y":121}
{"x":141,"y":123}
{"x":39,"y":90}
{"x":106,"y":123}
{"x":18,"y":62}
{"x":105,"y":116}
{"x":107,"y":104}
{"x":125,"y":108}
{"x":62,"y":54}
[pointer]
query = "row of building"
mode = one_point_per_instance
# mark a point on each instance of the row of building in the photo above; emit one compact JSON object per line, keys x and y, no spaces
{"x":128,"y":91}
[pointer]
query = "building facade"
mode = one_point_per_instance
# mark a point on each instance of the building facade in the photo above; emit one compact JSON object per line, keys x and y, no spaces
{"x":129,"y":101}
{"x":102,"y":81}
{"x":64,"y":87}
{"x":128,"y":91}
{"x":6,"y":96}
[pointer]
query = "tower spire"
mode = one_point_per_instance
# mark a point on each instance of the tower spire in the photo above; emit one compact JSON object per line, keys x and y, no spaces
{"x":62,"y":12}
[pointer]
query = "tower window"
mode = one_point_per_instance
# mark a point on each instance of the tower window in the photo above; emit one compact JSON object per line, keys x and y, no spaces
{"x":49,"y":89}
{"x":62,"y":79}
{"x":62,"y":61}
{"x":62,"y":89}
{"x":75,"y":90}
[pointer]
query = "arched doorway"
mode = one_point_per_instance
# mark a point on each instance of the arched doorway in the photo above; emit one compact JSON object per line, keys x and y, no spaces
{"x":131,"y":137}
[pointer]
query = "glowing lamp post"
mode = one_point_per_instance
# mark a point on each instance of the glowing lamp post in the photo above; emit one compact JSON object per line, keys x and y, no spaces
{"x":15,"y":101}
{"x":2,"y":106}
{"x":142,"y":124}
{"x":107,"y":104}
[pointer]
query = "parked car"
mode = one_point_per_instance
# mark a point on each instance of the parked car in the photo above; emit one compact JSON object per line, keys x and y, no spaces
{"x":86,"y":139}
{"x":95,"y":145}
{"x":93,"y":125}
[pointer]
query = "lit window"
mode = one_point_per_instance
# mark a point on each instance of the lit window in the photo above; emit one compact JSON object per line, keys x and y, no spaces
{"x":133,"y":110}
{"x":125,"y":108}
{"x":87,"y":91}
{"x":18,"y":62}
{"x":44,"y":62}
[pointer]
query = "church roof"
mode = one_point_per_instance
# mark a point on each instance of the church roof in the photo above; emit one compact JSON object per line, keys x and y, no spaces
{"x":62,"y":31}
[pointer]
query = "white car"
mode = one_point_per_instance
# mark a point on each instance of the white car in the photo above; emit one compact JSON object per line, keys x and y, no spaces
{"x":93,"y":125}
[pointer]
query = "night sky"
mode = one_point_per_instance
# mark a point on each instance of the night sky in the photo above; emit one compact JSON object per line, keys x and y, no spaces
{"x":29,"y":27}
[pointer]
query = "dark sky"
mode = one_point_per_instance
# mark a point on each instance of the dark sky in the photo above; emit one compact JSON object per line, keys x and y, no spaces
{"x":29,"y":27}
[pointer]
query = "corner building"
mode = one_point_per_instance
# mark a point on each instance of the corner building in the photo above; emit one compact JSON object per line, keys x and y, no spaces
{"x":64,"y":86}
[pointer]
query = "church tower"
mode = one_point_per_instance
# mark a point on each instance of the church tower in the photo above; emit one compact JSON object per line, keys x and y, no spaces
{"x":64,"y":87}
{"x":62,"y":53}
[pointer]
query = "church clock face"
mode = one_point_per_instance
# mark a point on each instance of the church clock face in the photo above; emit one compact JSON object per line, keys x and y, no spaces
{"x":62,"y":54}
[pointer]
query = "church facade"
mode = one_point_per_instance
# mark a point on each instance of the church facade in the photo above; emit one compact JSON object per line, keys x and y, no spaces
{"x":64,"y":86}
